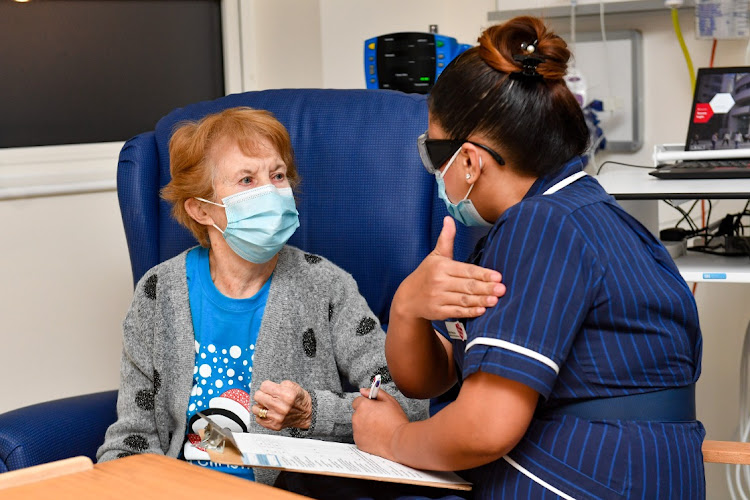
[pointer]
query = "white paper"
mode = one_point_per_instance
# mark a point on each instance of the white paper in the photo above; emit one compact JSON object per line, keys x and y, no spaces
{"x":316,"y":456}
{"x":721,"y":19}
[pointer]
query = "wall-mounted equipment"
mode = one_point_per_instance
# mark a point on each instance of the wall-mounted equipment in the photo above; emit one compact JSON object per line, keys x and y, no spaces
{"x":409,"y":62}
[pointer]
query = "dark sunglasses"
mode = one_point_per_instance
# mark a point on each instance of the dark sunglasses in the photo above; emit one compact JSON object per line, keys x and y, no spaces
{"x":435,"y":152}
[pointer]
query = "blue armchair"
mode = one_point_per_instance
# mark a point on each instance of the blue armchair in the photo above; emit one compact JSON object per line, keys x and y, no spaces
{"x":365,"y":203}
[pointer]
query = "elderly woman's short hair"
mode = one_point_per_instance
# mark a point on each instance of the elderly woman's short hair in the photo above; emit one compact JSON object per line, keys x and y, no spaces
{"x":190,"y":155}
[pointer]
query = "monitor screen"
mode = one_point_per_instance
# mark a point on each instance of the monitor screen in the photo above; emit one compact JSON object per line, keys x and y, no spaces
{"x":406,"y":62}
{"x":720,"y":115}
{"x":87,"y":71}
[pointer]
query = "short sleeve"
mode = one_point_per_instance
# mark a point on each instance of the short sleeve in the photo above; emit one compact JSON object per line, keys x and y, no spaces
{"x":550,"y":275}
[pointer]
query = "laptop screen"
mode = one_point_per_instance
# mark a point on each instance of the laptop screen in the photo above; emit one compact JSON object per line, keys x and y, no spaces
{"x":720,"y":115}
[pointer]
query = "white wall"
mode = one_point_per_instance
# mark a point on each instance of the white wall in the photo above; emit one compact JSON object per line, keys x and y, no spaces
{"x":281,"y":43}
{"x":66,"y":276}
{"x":65,"y":289}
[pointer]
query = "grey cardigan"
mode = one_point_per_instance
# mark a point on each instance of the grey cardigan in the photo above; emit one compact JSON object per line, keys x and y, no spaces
{"x":317,"y":331}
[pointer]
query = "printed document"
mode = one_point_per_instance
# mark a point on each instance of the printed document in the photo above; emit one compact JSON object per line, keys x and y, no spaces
{"x":337,"y":459}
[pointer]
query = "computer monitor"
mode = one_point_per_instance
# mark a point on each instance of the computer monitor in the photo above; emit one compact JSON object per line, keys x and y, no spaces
{"x":720,"y":114}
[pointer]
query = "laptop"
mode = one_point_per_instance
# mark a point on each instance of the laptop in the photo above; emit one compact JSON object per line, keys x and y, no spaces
{"x":719,"y":121}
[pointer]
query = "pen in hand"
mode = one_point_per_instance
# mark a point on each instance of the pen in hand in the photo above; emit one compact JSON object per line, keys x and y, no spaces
{"x":374,"y":388}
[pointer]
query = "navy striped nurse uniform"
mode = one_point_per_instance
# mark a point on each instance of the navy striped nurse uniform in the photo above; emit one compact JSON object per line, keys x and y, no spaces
{"x":595,"y":308}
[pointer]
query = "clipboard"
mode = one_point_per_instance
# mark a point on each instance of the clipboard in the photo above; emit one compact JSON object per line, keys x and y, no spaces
{"x":273,"y":452}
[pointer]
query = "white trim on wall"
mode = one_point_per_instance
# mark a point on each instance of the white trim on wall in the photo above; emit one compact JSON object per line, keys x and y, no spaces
{"x":57,"y":170}
{"x":248,"y":44}
{"x":232,"y":46}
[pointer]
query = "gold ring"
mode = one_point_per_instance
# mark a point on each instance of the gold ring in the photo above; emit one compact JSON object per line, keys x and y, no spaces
{"x":263,"y":413}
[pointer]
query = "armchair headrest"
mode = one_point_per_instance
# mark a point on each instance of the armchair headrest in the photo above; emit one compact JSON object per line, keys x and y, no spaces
{"x":365,"y":201}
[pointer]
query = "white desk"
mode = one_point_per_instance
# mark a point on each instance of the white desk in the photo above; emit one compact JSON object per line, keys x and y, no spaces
{"x":635,"y":184}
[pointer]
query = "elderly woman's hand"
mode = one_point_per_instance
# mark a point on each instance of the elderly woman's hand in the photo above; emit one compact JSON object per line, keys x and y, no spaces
{"x":283,"y":405}
{"x":442,"y":288}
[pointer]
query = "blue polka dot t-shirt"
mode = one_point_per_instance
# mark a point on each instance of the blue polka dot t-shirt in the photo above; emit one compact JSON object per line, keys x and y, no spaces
{"x":226,"y":331}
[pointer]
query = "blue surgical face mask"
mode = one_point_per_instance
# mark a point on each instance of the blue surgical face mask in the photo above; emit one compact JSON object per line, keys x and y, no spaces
{"x":463,"y":211}
{"x":259,"y":221}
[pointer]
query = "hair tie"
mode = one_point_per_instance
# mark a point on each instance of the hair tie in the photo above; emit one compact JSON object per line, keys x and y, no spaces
{"x":529,"y":64}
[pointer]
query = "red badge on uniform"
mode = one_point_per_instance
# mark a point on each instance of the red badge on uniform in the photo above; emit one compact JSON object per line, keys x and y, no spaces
{"x":456,"y":330}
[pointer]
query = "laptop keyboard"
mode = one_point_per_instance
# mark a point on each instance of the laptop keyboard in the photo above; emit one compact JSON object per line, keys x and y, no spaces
{"x":704,"y":169}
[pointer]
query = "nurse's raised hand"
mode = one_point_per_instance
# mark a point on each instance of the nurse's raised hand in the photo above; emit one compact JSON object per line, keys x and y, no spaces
{"x":442,"y":288}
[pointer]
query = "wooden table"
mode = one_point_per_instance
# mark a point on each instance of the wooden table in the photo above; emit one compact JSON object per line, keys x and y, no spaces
{"x":145,"y":477}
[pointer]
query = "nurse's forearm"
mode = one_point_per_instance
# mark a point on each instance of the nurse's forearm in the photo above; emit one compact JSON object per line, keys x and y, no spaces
{"x":487,"y":420}
{"x":447,"y":444}
{"x":417,"y":359}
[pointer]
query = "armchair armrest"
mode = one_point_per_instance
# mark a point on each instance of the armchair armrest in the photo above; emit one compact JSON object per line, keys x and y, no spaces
{"x":726,"y":452}
{"x":55,"y":430}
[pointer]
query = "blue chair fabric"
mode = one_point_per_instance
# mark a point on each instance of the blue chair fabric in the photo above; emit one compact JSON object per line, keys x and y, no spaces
{"x":55,"y":430}
{"x":365,"y":202}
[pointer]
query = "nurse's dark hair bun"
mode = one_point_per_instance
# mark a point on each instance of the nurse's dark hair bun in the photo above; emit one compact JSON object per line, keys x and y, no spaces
{"x":509,"y":91}
{"x":503,"y":47}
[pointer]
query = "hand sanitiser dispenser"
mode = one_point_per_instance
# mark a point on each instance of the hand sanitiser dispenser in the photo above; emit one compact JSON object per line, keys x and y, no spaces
{"x":409,"y":62}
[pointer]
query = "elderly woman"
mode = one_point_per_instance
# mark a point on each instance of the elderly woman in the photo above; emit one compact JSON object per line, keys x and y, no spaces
{"x":259,"y":336}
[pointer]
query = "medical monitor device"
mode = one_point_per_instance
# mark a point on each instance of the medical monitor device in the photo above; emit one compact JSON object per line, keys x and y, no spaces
{"x":720,"y":114}
{"x":409,"y":62}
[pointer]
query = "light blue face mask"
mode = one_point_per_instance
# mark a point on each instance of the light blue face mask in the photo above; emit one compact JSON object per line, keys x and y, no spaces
{"x":259,"y":221}
{"x":463,"y":211}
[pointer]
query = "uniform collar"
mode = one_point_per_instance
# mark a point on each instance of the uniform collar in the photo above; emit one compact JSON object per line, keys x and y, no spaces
{"x":537,"y":189}
{"x":545,"y":182}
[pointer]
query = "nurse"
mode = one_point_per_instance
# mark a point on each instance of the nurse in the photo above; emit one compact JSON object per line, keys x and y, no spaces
{"x":579,"y":382}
